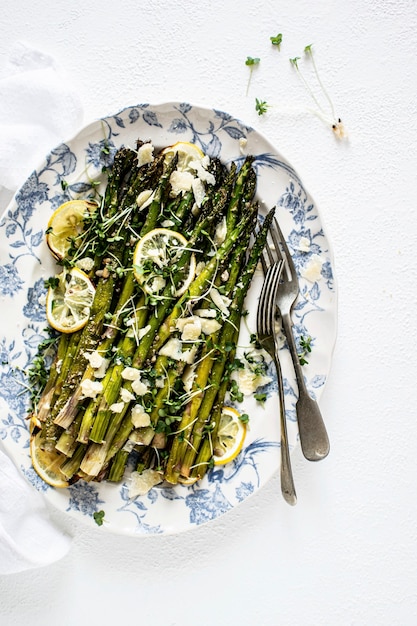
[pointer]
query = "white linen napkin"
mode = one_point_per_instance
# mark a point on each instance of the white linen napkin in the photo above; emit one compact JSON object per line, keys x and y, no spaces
{"x":38,"y":110}
{"x":28,"y":538}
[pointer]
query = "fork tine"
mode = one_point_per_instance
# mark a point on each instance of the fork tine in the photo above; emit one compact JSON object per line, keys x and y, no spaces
{"x":266,"y":306}
{"x":281,"y":245}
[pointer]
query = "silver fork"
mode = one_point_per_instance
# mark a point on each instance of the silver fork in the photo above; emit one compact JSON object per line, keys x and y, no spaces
{"x":313,"y":436}
{"x":265,"y":323}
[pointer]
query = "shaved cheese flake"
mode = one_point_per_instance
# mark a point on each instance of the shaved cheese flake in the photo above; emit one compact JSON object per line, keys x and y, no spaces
{"x":101,"y":371}
{"x":221,"y":232}
{"x":130,"y":373}
{"x":139,"y":416}
{"x":142,"y":332}
{"x":188,"y":356}
{"x":172,"y":349}
{"x":180,"y":182}
{"x":86,"y":264}
{"x":126,"y":395}
{"x":117,"y":407}
{"x":249,"y":382}
{"x":141,"y":483}
{"x":145,"y":154}
{"x":190,"y":327}
{"x":209,"y":326}
{"x":304,"y":244}
{"x":200,"y":168}
{"x":188,"y":377}
{"x":158,"y":283}
{"x":198,"y":191}
{"x":205,"y":312}
{"x":139,"y":387}
{"x":94,"y":358}
{"x":90,"y":388}
{"x":312,"y":270}
{"x":221,"y":302}
{"x":145,"y":198}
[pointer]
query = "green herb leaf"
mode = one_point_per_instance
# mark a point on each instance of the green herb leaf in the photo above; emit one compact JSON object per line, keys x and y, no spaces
{"x":99,"y":517}
{"x":260,"y":397}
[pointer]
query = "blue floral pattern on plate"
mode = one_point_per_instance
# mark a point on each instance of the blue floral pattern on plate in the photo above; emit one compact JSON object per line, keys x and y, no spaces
{"x":73,"y":170}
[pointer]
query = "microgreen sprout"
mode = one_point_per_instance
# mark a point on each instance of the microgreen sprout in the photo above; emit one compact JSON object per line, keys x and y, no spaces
{"x":276,"y":40}
{"x":99,"y":517}
{"x":251,"y":62}
{"x":244,"y":418}
{"x":331,"y":119}
{"x":261,"y":106}
{"x":305,"y":348}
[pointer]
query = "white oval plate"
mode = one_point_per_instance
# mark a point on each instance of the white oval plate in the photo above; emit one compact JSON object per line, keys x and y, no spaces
{"x":25,"y":263}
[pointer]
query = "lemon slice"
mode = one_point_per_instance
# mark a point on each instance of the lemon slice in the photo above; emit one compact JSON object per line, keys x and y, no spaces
{"x":230,"y":436}
{"x":66,"y":224}
{"x":47,"y":464}
{"x":68,"y":303}
{"x":187,"y":153}
{"x":155,"y":258}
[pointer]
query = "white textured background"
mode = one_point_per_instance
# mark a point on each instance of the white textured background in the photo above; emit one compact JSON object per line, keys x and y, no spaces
{"x":346,"y":555}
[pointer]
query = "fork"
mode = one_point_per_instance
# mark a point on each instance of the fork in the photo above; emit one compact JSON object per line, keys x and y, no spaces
{"x":265,"y":323}
{"x":313,"y":436}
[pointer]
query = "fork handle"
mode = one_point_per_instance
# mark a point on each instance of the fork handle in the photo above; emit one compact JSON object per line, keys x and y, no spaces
{"x":287,"y":480}
{"x":313,"y":435}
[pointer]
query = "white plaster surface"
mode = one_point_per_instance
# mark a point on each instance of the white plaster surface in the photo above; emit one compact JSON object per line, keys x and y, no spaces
{"x":346,"y":554}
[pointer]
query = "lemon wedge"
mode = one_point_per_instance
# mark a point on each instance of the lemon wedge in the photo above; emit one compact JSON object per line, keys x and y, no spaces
{"x":187,"y":153}
{"x":68,"y":303}
{"x":230,"y":436}
{"x":66,"y":225}
{"x":47,"y":464}
{"x":155,"y":258}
